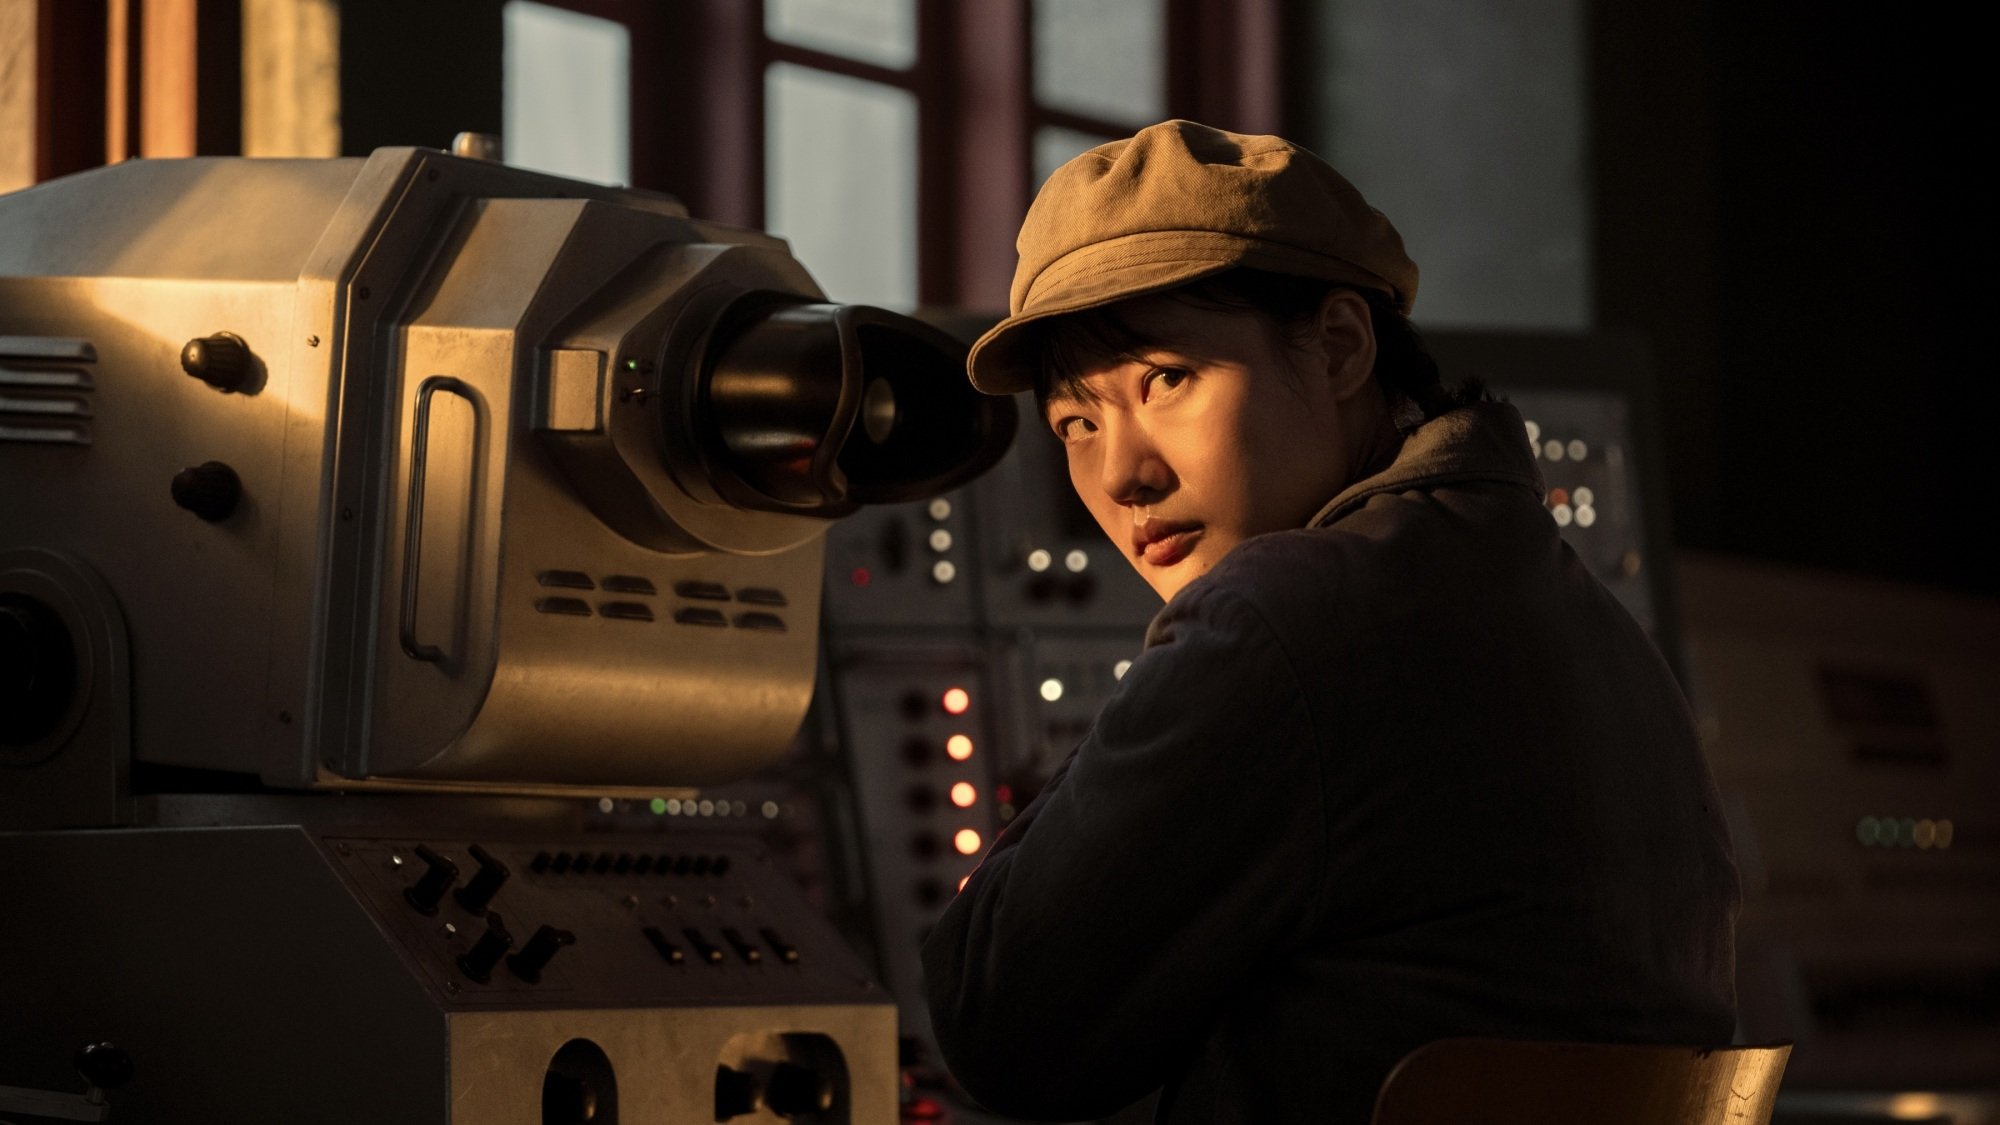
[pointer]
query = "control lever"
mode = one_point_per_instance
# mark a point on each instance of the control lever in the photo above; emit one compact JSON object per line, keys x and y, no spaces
{"x":102,"y":1065}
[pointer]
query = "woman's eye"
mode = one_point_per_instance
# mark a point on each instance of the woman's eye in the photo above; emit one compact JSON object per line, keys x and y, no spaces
{"x":1166,"y":379}
{"x":1071,"y":428}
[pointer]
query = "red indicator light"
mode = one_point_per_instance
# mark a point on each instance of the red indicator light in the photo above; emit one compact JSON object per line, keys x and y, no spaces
{"x":956,"y":700}
{"x":860,"y":577}
{"x":1004,"y":794}
{"x":1558,"y":496}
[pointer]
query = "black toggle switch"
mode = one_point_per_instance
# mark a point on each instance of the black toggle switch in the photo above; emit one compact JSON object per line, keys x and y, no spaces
{"x":210,"y":490}
{"x":736,"y":1093}
{"x":485,"y":953}
{"x":478,"y":891}
{"x":535,"y":956}
{"x":438,"y":877}
{"x":796,"y":1091}
{"x":222,"y":360}
{"x":703,"y":948}
{"x":751,"y":954}
{"x":664,"y":946}
{"x":786,"y":951}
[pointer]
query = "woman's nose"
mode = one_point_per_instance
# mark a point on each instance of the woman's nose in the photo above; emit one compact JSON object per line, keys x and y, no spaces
{"x":1133,"y":470}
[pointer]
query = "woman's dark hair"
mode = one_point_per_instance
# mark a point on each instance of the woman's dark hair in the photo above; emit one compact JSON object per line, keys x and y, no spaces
{"x":1073,"y":344}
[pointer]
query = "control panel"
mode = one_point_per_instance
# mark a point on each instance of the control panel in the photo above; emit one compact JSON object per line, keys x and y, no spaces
{"x":585,"y":922}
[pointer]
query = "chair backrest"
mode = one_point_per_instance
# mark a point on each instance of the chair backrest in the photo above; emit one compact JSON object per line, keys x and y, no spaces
{"x":1517,"y":1082}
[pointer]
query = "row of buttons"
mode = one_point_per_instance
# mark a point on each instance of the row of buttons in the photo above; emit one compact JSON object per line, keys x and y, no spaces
{"x":626,"y":863}
{"x":688,"y":615}
{"x":708,"y":952}
{"x":633,"y":584}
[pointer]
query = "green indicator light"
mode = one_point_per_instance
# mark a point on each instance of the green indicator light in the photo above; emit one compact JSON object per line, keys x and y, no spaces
{"x":631,"y":365}
{"x":659,"y":806}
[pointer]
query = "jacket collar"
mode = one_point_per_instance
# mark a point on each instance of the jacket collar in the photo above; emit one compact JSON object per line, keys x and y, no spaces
{"x":1485,"y":441}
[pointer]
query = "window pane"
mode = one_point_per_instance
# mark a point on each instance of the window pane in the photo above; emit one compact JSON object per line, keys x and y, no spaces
{"x":841,"y":181}
{"x":883,"y":32}
{"x":1103,"y":58}
{"x":1467,"y":125}
{"x":1055,"y":145}
{"x":567,"y":93}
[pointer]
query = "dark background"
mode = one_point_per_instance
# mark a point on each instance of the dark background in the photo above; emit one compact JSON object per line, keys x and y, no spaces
{"x":1789,"y":210}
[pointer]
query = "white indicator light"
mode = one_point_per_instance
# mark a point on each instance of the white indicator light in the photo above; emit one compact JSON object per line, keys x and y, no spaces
{"x":674,"y":806}
{"x":940,"y":509}
{"x":1586,"y":515}
{"x":943,"y":571}
{"x":707,"y":808}
{"x":606,"y":804}
{"x":958,"y":747}
{"x":1119,"y":669}
{"x":1039,"y":560}
{"x":1553,"y":451}
{"x":1076,"y":561}
{"x":770,"y":810}
{"x":1052,"y":689}
{"x":967,"y":841}
{"x":1585,"y":497}
{"x":940,"y":540}
{"x":1577,"y":450}
{"x":1534,"y":433}
{"x":1562,"y":514}
{"x":963,"y":794}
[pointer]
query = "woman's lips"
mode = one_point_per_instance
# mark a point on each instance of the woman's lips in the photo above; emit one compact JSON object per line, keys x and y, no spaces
{"x":1169,"y":545}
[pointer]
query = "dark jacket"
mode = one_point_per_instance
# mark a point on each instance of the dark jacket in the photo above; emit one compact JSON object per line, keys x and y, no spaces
{"x":1407,"y":773}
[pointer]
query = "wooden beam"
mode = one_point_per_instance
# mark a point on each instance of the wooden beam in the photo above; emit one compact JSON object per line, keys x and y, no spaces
{"x":19,"y":83}
{"x":167,"y":77}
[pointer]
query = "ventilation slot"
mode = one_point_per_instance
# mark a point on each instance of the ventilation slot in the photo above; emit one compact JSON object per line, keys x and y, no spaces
{"x":44,"y":391}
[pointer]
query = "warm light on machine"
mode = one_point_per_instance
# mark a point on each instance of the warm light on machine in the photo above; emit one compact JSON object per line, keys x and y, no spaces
{"x":1052,"y":689}
{"x":966,"y":841}
{"x":958,"y":747}
{"x":956,"y":701}
{"x":963,"y":794}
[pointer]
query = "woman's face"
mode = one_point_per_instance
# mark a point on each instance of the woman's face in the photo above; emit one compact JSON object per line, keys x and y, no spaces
{"x":1220,"y":431}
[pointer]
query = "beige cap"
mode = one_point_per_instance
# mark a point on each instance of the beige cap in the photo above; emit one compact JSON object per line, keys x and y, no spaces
{"x":1178,"y":202}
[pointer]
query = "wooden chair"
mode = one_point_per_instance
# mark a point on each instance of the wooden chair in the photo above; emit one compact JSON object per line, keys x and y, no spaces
{"x":1516,"y":1082}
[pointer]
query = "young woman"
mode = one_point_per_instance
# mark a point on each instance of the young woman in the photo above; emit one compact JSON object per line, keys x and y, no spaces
{"x":1392,"y":766}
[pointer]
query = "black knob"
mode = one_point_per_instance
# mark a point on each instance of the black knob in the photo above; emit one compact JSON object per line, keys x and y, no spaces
{"x":210,"y":490}
{"x":535,"y":956}
{"x":484,"y":884}
{"x":797,"y":1091}
{"x":222,"y":360}
{"x":104,"y":1065}
{"x":485,"y":953}
{"x":439,"y":874}
{"x":736,"y":1093}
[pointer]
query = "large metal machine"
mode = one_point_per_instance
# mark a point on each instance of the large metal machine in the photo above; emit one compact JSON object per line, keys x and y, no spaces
{"x":356,"y":516}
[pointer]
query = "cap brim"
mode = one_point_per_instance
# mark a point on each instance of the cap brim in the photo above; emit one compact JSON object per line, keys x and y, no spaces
{"x":1002,"y":360}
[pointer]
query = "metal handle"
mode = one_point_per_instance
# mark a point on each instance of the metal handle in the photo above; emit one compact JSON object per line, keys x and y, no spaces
{"x":413,"y":531}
